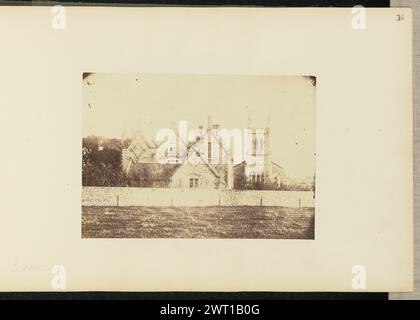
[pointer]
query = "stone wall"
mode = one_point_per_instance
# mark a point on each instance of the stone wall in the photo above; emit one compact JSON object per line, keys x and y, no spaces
{"x":115,"y":196}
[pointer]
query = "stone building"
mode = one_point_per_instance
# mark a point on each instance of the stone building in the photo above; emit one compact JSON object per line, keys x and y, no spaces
{"x":141,"y":163}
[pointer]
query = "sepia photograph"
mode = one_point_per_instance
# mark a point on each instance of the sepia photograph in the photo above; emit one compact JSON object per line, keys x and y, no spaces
{"x":198,"y":156}
{"x":152,"y":151}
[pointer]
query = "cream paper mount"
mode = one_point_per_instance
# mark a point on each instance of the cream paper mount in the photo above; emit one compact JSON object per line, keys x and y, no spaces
{"x":330,"y":209}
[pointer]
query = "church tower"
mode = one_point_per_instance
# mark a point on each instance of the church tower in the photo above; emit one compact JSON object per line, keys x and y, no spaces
{"x":267,"y":151}
{"x":260,"y":150}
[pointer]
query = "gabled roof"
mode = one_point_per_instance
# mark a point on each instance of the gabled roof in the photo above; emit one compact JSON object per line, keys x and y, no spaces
{"x":155,"y":171}
{"x":140,"y":140}
{"x":191,"y":148}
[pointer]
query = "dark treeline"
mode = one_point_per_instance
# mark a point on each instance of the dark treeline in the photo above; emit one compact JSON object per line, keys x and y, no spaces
{"x":102,"y":162}
{"x":241,"y":182}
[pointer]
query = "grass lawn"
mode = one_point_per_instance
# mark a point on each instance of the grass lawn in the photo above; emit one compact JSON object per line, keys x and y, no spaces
{"x":198,"y":222}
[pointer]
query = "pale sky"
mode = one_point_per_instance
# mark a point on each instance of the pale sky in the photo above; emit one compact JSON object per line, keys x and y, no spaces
{"x":154,"y":102}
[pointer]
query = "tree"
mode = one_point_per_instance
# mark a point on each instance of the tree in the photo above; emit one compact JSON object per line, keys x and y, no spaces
{"x":102,"y":167}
